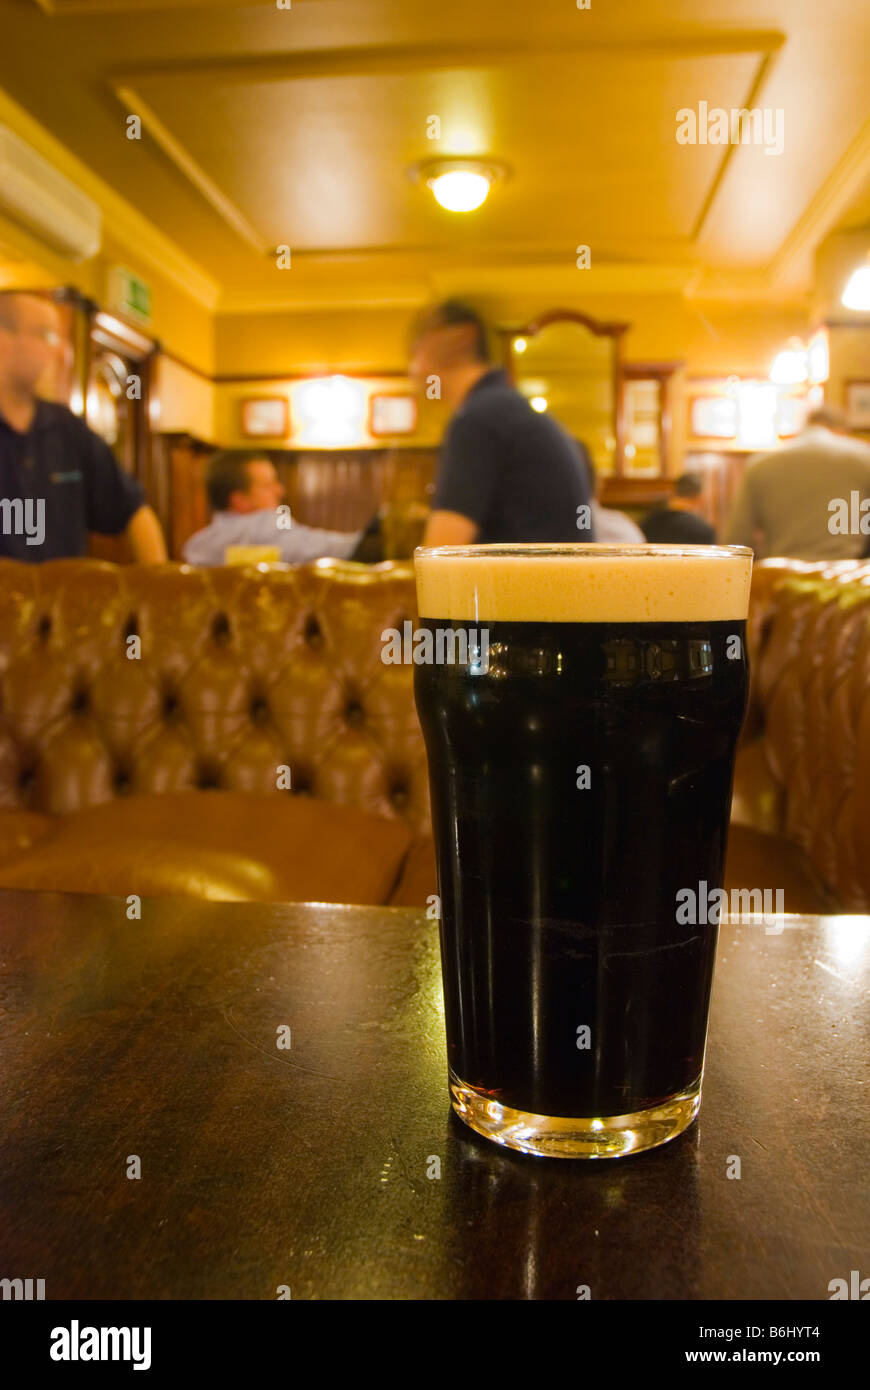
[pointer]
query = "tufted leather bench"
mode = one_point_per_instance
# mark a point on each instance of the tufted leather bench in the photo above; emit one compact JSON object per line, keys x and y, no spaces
{"x":802,"y":786}
{"x":163,"y":771}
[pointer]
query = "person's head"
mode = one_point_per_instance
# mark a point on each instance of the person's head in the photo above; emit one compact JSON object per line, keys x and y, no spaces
{"x":688,"y":492}
{"x":30,"y":340}
{"x":449,"y":341}
{"x":827,"y":417}
{"x":242,"y":482}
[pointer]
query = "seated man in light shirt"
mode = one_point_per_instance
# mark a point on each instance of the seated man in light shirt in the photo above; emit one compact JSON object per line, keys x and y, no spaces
{"x":611,"y":527}
{"x":245,"y":494}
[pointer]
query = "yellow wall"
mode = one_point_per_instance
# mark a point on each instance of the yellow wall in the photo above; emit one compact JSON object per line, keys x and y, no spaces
{"x":849,"y":329}
{"x":718,"y":338}
{"x":267,"y":344}
{"x":182,"y":402}
{"x":713,"y":340}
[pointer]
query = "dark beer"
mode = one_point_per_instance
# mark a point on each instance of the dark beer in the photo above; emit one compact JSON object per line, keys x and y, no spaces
{"x":580,"y":776}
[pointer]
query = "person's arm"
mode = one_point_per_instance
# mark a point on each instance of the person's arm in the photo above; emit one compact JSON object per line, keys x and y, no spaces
{"x":450,"y":528}
{"x":301,"y":544}
{"x":467,"y":478}
{"x":145,"y":536}
{"x":115,"y":502}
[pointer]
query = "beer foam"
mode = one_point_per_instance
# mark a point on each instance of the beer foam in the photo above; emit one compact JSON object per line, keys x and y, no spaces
{"x":584,"y":583}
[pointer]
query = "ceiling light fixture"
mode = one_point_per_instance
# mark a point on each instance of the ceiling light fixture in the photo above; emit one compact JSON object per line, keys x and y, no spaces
{"x":856,"y":295}
{"x":459,"y":185}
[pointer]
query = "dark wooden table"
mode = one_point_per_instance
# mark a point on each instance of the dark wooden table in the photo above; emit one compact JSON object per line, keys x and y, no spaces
{"x":310,"y":1167}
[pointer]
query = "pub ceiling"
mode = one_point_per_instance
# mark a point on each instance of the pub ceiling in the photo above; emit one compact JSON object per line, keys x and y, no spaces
{"x":264,"y":126}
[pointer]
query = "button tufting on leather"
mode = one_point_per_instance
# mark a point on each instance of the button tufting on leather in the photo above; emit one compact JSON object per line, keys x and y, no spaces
{"x":259,"y":710}
{"x":220,"y":629}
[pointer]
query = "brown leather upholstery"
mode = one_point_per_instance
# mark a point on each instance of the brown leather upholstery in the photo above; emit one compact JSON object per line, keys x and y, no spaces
{"x":242,"y":672}
{"x":803,"y":769}
{"x":224,"y":846}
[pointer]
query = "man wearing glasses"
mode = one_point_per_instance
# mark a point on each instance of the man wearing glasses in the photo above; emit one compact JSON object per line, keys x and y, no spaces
{"x":58,"y":479}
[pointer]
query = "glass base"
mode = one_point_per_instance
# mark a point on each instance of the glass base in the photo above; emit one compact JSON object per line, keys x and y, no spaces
{"x":549,"y":1136}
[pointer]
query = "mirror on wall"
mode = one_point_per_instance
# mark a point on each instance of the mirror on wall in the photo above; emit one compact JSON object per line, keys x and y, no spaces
{"x":569,"y":365}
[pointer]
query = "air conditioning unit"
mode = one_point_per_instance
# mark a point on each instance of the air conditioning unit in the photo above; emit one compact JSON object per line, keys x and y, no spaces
{"x":45,"y":202}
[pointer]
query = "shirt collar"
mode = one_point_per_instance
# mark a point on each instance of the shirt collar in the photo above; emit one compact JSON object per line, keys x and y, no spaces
{"x":40,"y":422}
{"x":497,"y":377}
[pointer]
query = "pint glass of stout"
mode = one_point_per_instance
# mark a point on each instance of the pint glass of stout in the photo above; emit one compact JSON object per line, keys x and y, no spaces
{"x":581,"y":706}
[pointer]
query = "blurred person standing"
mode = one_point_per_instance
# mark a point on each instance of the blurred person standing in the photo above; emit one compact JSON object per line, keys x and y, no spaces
{"x":505,"y":472}
{"x":679,"y":521}
{"x":793,"y":502}
{"x":58,"y":479}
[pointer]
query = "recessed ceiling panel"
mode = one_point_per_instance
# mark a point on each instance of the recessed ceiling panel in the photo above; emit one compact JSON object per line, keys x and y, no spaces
{"x":321,"y":163}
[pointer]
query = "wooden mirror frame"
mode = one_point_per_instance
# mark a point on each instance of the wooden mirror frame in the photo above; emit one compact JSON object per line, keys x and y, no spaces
{"x":601,"y":330}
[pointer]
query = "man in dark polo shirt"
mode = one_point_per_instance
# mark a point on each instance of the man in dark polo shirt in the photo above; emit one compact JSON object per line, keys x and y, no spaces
{"x":58,"y":480}
{"x":505,"y":472}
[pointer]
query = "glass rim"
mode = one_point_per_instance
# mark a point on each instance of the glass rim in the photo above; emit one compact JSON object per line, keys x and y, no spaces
{"x":581,"y":548}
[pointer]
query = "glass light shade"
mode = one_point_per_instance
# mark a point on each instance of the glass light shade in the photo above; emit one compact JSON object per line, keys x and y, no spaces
{"x":460,"y":190}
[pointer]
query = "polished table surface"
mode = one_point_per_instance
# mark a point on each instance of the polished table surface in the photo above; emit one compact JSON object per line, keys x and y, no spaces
{"x":317,"y":1166}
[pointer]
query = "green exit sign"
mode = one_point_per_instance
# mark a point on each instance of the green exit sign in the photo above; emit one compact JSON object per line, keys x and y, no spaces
{"x":129,"y":295}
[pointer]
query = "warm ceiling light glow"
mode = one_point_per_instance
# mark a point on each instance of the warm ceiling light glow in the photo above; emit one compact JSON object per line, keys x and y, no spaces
{"x":818,"y":358}
{"x":538,"y":403}
{"x":520,"y":344}
{"x":330,"y":411}
{"x":460,"y":190}
{"x":460,"y":184}
{"x":790,"y":366}
{"x":757,"y":403}
{"x":856,"y":295}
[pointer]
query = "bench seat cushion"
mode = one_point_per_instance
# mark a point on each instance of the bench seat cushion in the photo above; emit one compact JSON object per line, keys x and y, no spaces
{"x":217,"y":845}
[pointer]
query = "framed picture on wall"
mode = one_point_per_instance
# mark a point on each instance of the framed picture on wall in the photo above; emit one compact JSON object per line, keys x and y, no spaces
{"x":266,"y":417}
{"x":858,"y":404}
{"x":392,"y":414}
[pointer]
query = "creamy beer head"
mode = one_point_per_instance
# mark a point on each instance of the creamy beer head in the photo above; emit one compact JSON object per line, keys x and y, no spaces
{"x":584,"y":583}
